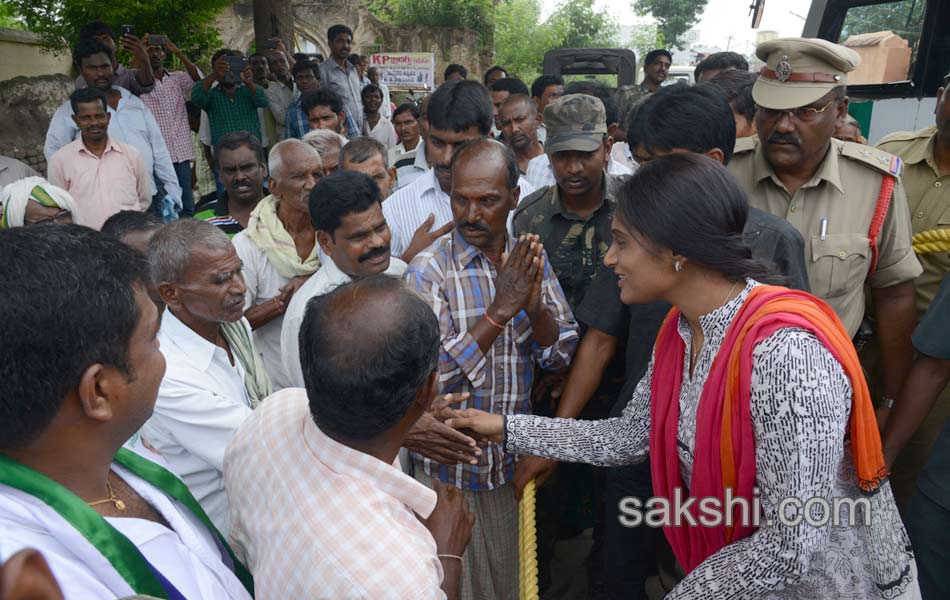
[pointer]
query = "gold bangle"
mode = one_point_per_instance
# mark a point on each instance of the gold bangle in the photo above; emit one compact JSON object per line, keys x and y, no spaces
{"x":458,"y":558}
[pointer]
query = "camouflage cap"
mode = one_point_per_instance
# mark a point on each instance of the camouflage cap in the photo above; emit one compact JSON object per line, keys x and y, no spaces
{"x":799,"y":71}
{"x":574,"y":122}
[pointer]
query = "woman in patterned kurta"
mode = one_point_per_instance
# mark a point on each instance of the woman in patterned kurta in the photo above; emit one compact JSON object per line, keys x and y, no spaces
{"x":686,"y":249}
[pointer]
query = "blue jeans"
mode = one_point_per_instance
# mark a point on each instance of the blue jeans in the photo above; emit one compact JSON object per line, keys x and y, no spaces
{"x":183,"y":171}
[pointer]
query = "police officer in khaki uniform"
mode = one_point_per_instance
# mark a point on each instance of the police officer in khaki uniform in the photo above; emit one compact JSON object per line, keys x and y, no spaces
{"x":829,"y":190}
{"x":926,"y":156}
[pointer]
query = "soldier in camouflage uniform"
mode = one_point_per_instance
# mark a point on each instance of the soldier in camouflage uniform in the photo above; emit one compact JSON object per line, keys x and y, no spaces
{"x":572,"y":218}
{"x":656,"y":66}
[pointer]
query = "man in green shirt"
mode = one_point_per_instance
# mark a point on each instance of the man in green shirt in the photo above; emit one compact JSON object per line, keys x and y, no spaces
{"x":230,"y":105}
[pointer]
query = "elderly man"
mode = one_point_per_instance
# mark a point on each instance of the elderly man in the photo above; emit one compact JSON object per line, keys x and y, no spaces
{"x":357,"y":526}
{"x":369,"y":156}
{"x":130,"y":122}
{"x":458,"y":111}
{"x":214,"y":376}
{"x":845,"y":199}
{"x":279,"y":248}
{"x":346,"y":211}
{"x":375,"y":77}
{"x":498,"y":320}
{"x":926,"y":156}
{"x":111,"y":521}
{"x":328,"y":145}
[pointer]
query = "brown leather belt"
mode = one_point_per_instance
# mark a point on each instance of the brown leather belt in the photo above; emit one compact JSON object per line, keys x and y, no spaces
{"x":805,"y":77}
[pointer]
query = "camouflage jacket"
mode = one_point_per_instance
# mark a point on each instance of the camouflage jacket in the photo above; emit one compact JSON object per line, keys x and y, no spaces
{"x":575,"y":246}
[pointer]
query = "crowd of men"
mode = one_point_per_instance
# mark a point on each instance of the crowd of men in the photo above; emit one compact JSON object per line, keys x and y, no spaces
{"x":278,"y":285}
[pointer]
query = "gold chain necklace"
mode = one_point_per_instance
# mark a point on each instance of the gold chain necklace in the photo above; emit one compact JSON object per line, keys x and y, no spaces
{"x":119,"y":505}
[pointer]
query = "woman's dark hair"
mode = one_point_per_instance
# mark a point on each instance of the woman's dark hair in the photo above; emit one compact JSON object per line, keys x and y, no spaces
{"x":692,"y":205}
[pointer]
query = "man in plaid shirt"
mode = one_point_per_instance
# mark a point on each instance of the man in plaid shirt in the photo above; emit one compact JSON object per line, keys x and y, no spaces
{"x":501,"y":312}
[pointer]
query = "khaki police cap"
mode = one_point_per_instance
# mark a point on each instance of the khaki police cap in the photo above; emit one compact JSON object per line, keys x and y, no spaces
{"x":799,"y":71}
{"x":574,"y":122}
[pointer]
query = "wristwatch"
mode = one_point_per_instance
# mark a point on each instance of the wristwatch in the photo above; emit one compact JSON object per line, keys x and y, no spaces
{"x":887,"y":402}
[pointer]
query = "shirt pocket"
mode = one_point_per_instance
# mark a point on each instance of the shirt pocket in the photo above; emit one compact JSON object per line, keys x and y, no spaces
{"x":840,"y":263}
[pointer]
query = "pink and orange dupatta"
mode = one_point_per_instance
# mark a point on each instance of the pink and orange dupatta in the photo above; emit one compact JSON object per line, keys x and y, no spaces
{"x":725,"y":445}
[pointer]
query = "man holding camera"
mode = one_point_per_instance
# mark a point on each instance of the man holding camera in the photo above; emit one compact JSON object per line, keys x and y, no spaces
{"x":167,"y":103}
{"x":230,"y":105}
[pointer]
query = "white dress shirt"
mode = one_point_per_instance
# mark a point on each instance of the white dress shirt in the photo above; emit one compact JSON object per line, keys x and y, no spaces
{"x":130,"y":122}
{"x":323,"y":282}
{"x":409,"y":206}
{"x":187,"y":554}
{"x":263,"y":282}
{"x":201,"y":403}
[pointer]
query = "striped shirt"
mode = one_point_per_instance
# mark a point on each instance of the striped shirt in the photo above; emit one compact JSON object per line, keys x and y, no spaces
{"x":458,"y":281}
{"x":408,"y":207}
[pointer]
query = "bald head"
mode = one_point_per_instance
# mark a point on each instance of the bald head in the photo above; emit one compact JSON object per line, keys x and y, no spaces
{"x":489,"y":152}
{"x":367,"y":351}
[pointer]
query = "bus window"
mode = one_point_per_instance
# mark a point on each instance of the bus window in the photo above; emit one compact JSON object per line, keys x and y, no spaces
{"x":886,"y":36}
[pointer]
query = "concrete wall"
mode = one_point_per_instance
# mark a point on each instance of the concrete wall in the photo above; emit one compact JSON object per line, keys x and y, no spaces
{"x":26,"y":106}
{"x":23,"y":56}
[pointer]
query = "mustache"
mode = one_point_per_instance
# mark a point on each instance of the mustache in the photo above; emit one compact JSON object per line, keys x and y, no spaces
{"x":374,"y":253}
{"x":473,"y":226}
{"x":785,"y":138}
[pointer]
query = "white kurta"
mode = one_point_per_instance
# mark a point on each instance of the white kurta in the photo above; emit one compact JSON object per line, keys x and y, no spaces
{"x":187,"y":554}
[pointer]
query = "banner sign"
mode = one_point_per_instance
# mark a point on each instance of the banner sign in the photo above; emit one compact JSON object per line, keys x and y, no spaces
{"x":406,"y":70}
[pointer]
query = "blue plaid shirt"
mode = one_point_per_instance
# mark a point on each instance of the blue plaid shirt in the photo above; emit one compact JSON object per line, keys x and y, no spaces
{"x":296,"y":124}
{"x":458,"y":281}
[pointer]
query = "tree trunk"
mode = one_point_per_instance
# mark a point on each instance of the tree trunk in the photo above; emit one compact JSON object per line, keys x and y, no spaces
{"x":274,"y":18}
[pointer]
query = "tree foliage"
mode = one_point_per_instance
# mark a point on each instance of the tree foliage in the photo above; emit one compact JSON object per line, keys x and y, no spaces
{"x":188,"y":23}
{"x":675,"y":17}
{"x":579,"y":25}
{"x":522,"y":38}
{"x":472,"y":14}
{"x":645,"y":38}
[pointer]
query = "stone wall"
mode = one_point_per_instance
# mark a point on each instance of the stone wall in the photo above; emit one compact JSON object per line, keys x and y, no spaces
{"x":370,"y":34}
{"x":26,"y":106}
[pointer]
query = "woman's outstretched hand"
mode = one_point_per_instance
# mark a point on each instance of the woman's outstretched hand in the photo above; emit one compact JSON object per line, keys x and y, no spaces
{"x":483,"y":424}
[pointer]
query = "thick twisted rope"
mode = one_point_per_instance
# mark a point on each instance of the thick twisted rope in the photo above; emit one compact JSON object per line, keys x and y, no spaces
{"x":527,"y":545}
{"x":931,"y":242}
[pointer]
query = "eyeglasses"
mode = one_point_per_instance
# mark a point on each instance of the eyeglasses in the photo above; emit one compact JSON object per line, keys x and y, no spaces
{"x":63,"y":217}
{"x":802,"y":113}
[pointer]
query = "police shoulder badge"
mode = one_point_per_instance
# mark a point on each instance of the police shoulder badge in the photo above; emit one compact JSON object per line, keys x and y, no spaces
{"x":783,"y":70}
